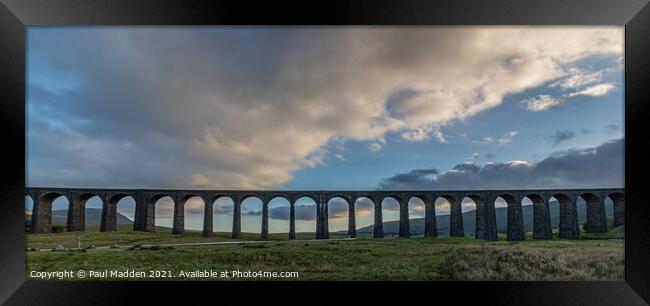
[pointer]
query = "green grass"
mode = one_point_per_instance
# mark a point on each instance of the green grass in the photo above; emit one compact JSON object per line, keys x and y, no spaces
{"x":126,"y":236}
{"x":442,"y":258}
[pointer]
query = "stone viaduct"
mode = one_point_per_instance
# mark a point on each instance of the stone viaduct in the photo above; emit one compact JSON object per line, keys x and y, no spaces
{"x":484,"y":199}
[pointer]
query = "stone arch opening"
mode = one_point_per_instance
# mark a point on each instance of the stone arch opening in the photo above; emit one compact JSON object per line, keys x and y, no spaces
{"x":364,"y":214}
{"x":416,"y":209}
{"x":222,"y":214}
{"x":305,"y":214}
{"x":60,"y":208}
{"x":164,"y":213}
{"x":338,"y":213}
{"x":618,"y":209}
{"x":608,"y":205}
{"x":90,"y":213}
{"x":251,"y":215}
{"x":193,"y":211}
{"x":29,"y":208}
{"x":279,"y":214}
{"x":539,"y":220}
{"x":122,"y":213}
{"x":511,"y":220}
{"x":390,"y":216}
{"x":444,"y":205}
{"x":471,"y":206}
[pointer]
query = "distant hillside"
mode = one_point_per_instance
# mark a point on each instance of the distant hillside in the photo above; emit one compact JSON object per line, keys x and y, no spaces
{"x":93,"y":217}
{"x":391,"y":228}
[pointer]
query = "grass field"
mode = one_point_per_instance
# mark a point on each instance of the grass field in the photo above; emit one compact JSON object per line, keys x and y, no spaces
{"x":595,"y":257}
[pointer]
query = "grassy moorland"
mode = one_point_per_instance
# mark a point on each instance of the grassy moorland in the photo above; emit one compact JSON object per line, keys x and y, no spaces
{"x":593,"y":257}
{"x":126,"y":236}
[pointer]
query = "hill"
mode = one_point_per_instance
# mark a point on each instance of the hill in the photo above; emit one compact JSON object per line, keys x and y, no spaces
{"x":93,"y":217}
{"x":391,"y":228}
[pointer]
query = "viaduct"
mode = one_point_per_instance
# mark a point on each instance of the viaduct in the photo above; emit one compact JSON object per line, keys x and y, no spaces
{"x":484,"y":199}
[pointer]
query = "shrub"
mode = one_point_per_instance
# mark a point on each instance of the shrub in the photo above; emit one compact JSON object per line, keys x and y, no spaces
{"x":255,"y":246}
{"x":58,"y":228}
{"x":151,"y":248}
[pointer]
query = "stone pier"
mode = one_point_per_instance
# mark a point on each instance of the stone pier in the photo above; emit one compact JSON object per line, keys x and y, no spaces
{"x":404,"y":224}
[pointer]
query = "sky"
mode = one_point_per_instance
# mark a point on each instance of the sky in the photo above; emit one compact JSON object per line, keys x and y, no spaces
{"x":359,"y":108}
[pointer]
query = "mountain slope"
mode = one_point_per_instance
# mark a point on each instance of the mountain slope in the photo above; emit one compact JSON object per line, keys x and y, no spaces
{"x":391,"y":228}
{"x":93,"y":217}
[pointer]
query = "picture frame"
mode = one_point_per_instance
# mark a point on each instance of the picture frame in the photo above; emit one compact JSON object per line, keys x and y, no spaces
{"x":16,"y":15}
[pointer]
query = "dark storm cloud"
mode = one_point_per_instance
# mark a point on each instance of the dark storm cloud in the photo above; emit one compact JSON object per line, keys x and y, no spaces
{"x":562,"y":136}
{"x":413,"y":178}
{"x":601,"y":166}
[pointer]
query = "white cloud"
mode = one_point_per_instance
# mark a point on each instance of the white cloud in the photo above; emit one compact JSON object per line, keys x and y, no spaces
{"x":374,"y":147}
{"x":541,"y":103}
{"x":200,"y":112}
{"x":508,"y":137}
{"x":472,"y":158}
{"x":577,"y":78}
{"x":594,"y":91}
{"x":417,"y":134}
{"x":517,"y":163}
{"x":377,"y":145}
{"x":440,"y":137}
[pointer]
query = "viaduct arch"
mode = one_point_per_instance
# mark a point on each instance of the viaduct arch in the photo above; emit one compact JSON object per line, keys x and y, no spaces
{"x":485,"y":210}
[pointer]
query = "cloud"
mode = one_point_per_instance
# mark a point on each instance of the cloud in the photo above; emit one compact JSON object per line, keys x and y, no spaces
{"x":248,"y":107}
{"x":541,"y":103}
{"x":412,"y":179}
{"x":594,"y":91}
{"x":577,"y":78}
{"x":374,"y":147}
{"x":251,"y":213}
{"x":579,"y":81}
{"x":472,"y":158}
{"x":561,"y":136}
{"x":377,"y":145}
{"x":612,"y":128}
{"x":600,"y":166}
{"x":338,"y":209}
{"x":306,"y":212}
{"x":440,"y":137}
{"x":508,"y":137}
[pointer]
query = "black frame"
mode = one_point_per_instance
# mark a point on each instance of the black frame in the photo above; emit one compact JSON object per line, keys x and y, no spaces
{"x":15,"y":15}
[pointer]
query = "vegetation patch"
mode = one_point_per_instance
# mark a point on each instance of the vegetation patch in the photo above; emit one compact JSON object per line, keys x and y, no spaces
{"x":418,"y":258}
